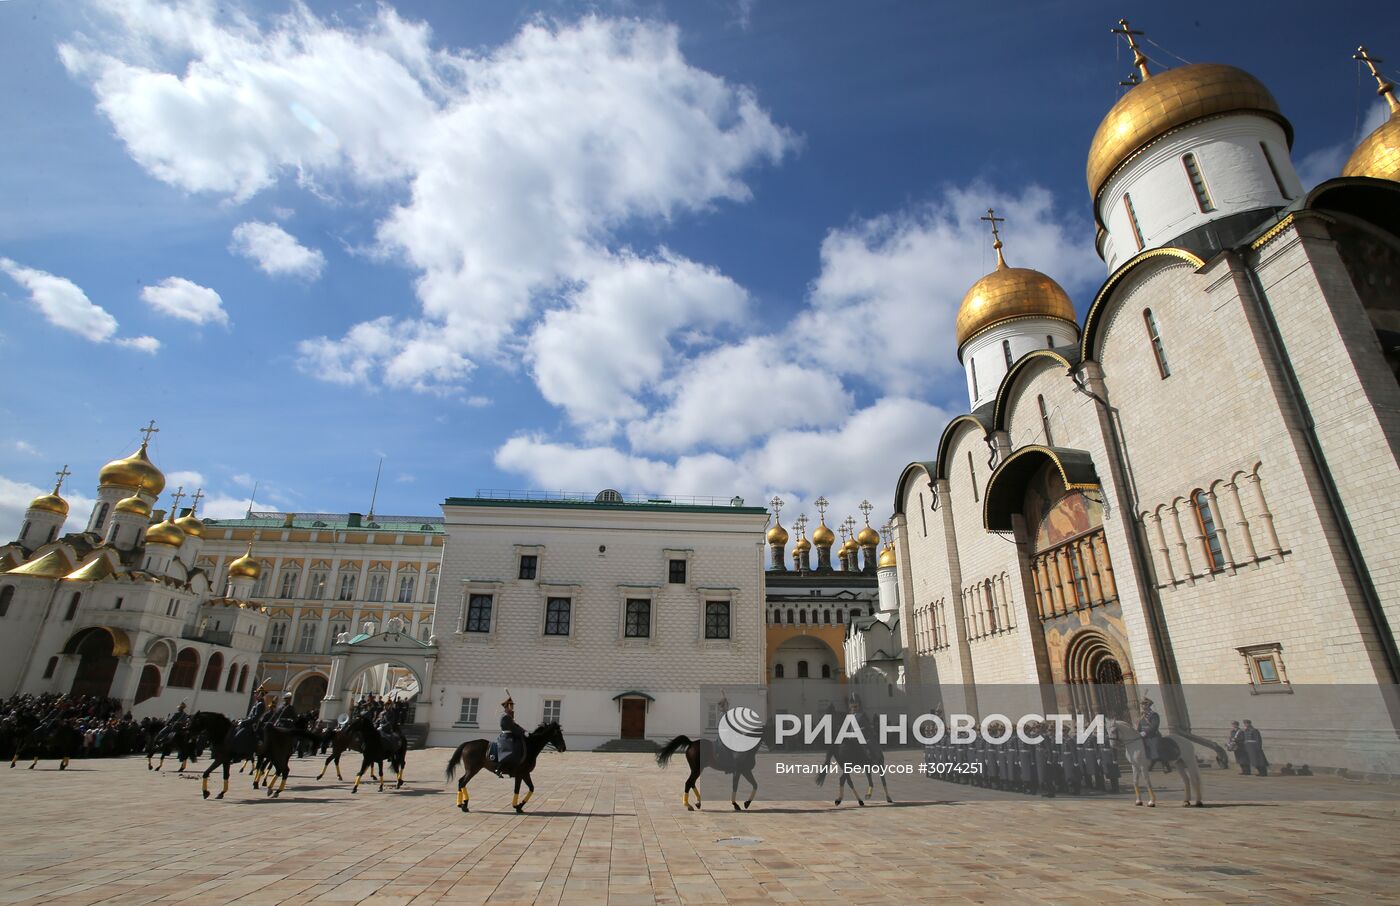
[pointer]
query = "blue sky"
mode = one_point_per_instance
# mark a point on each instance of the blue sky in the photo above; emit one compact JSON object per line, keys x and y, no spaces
{"x":697,"y":248}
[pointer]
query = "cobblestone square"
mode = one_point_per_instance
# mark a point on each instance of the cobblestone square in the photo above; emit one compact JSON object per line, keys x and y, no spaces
{"x":611,"y":829}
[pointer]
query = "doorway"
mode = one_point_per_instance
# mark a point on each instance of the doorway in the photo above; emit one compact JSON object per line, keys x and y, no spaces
{"x":634,"y":718}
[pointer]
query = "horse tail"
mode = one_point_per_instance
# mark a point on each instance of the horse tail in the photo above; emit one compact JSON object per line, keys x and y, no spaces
{"x":671,"y":748}
{"x":452,"y":762}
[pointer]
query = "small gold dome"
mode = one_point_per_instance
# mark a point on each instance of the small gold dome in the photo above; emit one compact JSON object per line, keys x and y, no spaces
{"x":868,"y":537}
{"x":1010,"y":292}
{"x":165,"y":533}
{"x":823,"y":536}
{"x":887,"y":557}
{"x":133,"y":504}
{"x":136,"y":472}
{"x":1378,"y":155}
{"x":778,"y":535}
{"x":245,"y":567}
{"x":50,"y":503}
{"x":850,"y":547}
{"x":802,"y":545}
{"x":191,"y":525}
{"x":1167,"y":101}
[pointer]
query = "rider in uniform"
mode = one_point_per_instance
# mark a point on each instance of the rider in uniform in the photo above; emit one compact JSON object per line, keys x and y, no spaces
{"x":1150,"y":729}
{"x":510,"y":745}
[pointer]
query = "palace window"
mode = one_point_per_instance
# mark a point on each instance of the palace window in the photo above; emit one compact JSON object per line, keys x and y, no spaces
{"x":638,"y":620}
{"x":378,"y":582}
{"x":406,"y":584}
{"x":7,"y":595}
{"x":839,"y":621}
{"x":826,"y":616}
{"x":717,"y":619}
{"x":466,"y":714}
{"x":801,"y":669}
{"x":277,"y":636}
{"x":826,"y":671}
{"x":289,"y":583}
{"x":478,"y":614}
{"x":335,"y":632}
{"x":1045,"y":421}
{"x":316,"y":586}
{"x":430,"y":593}
{"x":556,"y":616}
{"x":802,"y":616}
{"x":212,"y":672}
{"x":972,"y":473}
{"x":529,"y":564}
{"x":553,"y":711}
{"x":1205,"y":518}
{"x":1278,"y":179}
{"x":1155,"y":336}
{"x":306,"y":641}
{"x":232,"y":678}
{"x":1049,"y":341}
{"x":1264,"y":664}
{"x":260,"y":587}
{"x":116,"y":605}
{"x":855,"y":612}
{"x":677,"y":576}
{"x":186,"y":667}
{"x":347,"y":586}
{"x":1198,"y":184}
{"x":789,"y":619}
{"x":1132,"y":219}
{"x":73,"y":603}
{"x":1006,"y":351}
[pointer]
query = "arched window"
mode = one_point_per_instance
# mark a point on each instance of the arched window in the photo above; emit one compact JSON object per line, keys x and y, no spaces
{"x":73,"y":603}
{"x":1205,"y":517}
{"x":777,"y":671}
{"x":855,"y":613}
{"x":101,"y":515}
{"x":149,"y":684}
{"x":1132,"y":219}
{"x":232,"y":678}
{"x":974,"y":378}
{"x":50,"y":668}
{"x":801,"y":669}
{"x":972,"y":474}
{"x":826,"y":671}
{"x":185,"y":670}
{"x":7,"y":594}
{"x":839,"y":621}
{"x":991,"y":603}
{"x":802,"y":616}
{"x":826,"y":616}
{"x":1155,"y":336}
{"x":53,"y":533}
{"x":212,"y":672}
{"x":1045,"y":421}
{"x":243,"y":678}
{"x":1198,"y":184}
{"x":1006,"y":351}
{"x":789,"y":619}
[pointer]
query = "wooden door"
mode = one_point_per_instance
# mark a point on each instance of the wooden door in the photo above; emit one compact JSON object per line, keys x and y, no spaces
{"x":634,"y":718}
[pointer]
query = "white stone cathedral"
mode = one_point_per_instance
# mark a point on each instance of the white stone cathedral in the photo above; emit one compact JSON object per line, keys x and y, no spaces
{"x":1192,"y":487}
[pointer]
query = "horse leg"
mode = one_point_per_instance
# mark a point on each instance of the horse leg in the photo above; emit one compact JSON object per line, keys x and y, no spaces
{"x":363,"y":767}
{"x":286,"y":772}
{"x":528,"y":793}
{"x":1151,"y":793}
{"x":381,"y":776}
{"x":224,"y":791}
{"x":204,"y":780}
{"x":515,"y":797}
{"x":753,"y":786}
{"x":734,"y":789}
{"x":886,"y":787}
{"x":325,"y":767}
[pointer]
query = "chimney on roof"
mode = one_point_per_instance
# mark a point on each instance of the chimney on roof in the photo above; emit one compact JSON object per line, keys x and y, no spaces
{"x":287,"y":520}
{"x":353,"y":520}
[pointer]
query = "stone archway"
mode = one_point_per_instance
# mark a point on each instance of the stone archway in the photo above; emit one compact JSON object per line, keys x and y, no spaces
{"x":1098,"y":675}
{"x":364,"y":656}
{"x":309,"y":693}
{"x":97,"y":665}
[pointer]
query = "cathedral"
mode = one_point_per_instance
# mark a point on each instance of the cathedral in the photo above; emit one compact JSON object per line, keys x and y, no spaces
{"x":1189,"y":491}
{"x":121,"y":609}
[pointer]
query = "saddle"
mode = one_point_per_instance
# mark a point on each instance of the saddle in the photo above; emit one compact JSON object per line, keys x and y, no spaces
{"x":1168,"y":750}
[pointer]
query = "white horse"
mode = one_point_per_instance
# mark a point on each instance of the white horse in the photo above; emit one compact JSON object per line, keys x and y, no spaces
{"x":1123,"y":736}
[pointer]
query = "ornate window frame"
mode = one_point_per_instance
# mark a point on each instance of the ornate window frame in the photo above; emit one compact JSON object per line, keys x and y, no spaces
{"x":1262,"y":660}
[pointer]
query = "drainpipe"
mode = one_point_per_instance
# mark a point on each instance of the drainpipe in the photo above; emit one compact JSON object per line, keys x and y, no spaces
{"x":1293,"y":390}
{"x":1174,"y":704}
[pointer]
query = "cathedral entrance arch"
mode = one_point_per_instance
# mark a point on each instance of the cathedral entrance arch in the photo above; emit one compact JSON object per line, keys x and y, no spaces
{"x":308,"y":693}
{"x":1094,"y":668}
{"x":98,"y":649}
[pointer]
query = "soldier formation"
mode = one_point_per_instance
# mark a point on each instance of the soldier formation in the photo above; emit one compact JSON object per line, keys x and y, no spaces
{"x":1047,"y":768}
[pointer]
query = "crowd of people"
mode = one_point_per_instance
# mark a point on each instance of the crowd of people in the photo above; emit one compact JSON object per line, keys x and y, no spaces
{"x":107,"y":731}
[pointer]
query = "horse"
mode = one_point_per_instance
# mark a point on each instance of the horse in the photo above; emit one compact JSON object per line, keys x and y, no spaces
{"x":172,"y":738}
{"x":851,"y":753}
{"x":347,"y":737}
{"x":475,"y":755}
{"x":229,"y":742}
{"x":701,"y":754}
{"x":377,"y":745}
{"x":261,"y":762}
{"x":57,"y":738}
{"x":1175,"y":750}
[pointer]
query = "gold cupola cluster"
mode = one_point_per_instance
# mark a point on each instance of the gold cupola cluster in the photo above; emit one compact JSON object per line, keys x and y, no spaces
{"x":1378,"y":155}
{"x":848,"y":555}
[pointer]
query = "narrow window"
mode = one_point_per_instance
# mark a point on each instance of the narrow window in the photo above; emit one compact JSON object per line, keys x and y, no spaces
{"x":777,"y":671}
{"x":1278,"y":180}
{"x":529,"y":563}
{"x":1155,"y":336}
{"x":7,"y":594}
{"x":789,"y":619}
{"x":1045,"y":421}
{"x":1132,"y":219}
{"x":972,"y":472}
{"x":1198,"y":184}
{"x":466,"y":714}
{"x":479,"y":614}
{"x":802,"y":616}
{"x":430,"y":593}
{"x":677,"y":572}
{"x":839,"y":621}
{"x":317,"y":589}
{"x":306,"y":641}
{"x":24,"y":532}
{"x":801,"y":669}
{"x":406,"y":584}
{"x":347,"y":587}
{"x":1049,"y":342}
{"x":556,"y":616}
{"x":716,"y":619}
{"x":638,"y":623}
{"x":289,"y":584}
{"x":855,"y":612}
{"x":50,"y":668}
{"x":53,"y":533}
{"x":826,"y":671}
{"x":1215,"y":557}
{"x":115,"y":606}
{"x":991,"y":602}
{"x":923,"y":517}
{"x":975,"y":394}
{"x":1006,"y":351}
{"x":73,"y":605}
{"x":826,"y":616}
{"x":276,"y":638}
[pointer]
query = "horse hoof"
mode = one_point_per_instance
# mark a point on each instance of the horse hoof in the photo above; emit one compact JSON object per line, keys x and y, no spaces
{"x":220,"y":796}
{"x":748,"y":802}
{"x":520,"y":809}
{"x":463,"y":807}
{"x":736,"y":806}
{"x":206,"y":794}
{"x":353,"y":791}
{"x":1137,"y":803}
{"x":838,"y":801}
{"x":1151,"y":805}
{"x":689,"y":807}
{"x":860,"y":803}
{"x":889,"y":801}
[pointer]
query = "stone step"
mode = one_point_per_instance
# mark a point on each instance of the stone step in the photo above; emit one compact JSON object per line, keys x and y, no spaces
{"x":628,"y":745}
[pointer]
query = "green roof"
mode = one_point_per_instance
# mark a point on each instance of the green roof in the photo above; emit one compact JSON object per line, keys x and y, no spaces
{"x":658,"y":505}
{"x":339,"y":522}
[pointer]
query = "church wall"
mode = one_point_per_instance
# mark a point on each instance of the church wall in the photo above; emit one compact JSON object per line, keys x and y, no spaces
{"x":20,"y":628}
{"x":924,"y":560}
{"x":1213,"y":419}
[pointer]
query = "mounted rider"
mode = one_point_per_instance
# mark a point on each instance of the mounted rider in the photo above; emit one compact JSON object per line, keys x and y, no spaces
{"x":1150,"y":729}
{"x":509,"y":747}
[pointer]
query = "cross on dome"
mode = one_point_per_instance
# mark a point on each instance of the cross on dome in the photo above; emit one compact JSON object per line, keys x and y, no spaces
{"x":821,"y":503}
{"x":175,"y":499}
{"x":993,"y":219}
{"x":1139,"y":59}
{"x":865,"y":507}
{"x":777,"y":504}
{"x":147,"y":431}
{"x":62,"y":474}
{"x":194,"y":501}
{"x":1385,"y":89}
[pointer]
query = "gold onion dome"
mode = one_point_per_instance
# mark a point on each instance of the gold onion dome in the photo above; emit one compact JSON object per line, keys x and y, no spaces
{"x":191,"y":525}
{"x":1378,"y":155}
{"x":1168,"y":101}
{"x":823,"y":536}
{"x":165,"y":533}
{"x":245,"y":567}
{"x":777,"y":534}
{"x":1007,"y":293}
{"x":868,"y":537}
{"x":136,"y":472}
{"x":887,"y":557}
{"x":802,"y":545}
{"x":133,"y":504}
{"x":50,"y":503}
{"x":849,"y":547}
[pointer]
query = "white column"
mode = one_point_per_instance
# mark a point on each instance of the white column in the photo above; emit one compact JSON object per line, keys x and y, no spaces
{"x":1181,"y":543}
{"x":1162,"y":548}
{"x":1242,"y":521}
{"x":1220,"y":533}
{"x":1265,"y":518}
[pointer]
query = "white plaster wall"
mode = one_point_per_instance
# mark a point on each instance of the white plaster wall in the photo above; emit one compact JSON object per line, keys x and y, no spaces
{"x":1024,"y":335}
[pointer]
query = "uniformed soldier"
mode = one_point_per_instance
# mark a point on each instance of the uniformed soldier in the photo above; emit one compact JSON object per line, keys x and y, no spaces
{"x":510,"y":744}
{"x":1150,"y":729}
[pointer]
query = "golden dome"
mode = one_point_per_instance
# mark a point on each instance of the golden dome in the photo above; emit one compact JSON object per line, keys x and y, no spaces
{"x":245,"y":567}
{"x":802,"y":545}
{"x":823,"y":536}
{"x":887,"y":557}
{"x":850,"y":547}
{"x":165,"y":532}
{"x":136,"y":472}
{"x":1010,"y":292}
{"x":50,"y":503}
{"x":868,"y":537}
{"x":1167,"y":101}
{"x":778,"y":535}
{"x":133,"y":504}
{"x":191,"y":525}
{"x":1378,"y":155}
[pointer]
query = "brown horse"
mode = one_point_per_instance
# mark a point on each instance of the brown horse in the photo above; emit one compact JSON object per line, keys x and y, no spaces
{"x":475,"y":755}
{"x":701,"y":754}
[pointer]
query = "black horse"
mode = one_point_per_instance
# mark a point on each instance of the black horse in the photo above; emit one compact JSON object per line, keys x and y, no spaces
{"x":475,"y":755}
{"x":854,"y":757}
{"x":176,"y":738}
{"x":377,"y":745}
{"x":230,"y":742}
{"x":701,"y":754}
{"x":55,"y":738}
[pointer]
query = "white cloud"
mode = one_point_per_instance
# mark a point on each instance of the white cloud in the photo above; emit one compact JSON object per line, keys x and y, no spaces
{"x":403,"y":353}
{"x":1322,"y":164}
{"x":275,"y":251}
{"x":26,"y":448}
{"x":187,"y":479}
{"x":222,"y":506}
{"x":14,"y":500}
{"x":186,"y":300}
{"x":63,"y":304}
